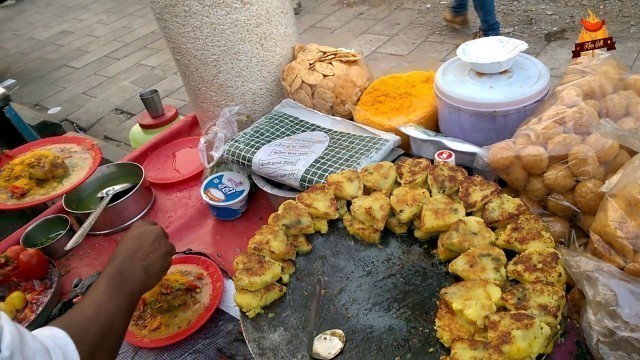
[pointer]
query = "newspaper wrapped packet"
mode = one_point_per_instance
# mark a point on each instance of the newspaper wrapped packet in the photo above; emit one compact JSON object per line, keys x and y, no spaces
{"x":299,"y":147}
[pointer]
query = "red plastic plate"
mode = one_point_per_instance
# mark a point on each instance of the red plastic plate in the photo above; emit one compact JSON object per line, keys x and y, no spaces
{"x":87,"y":144}
{"x":176,"y":161}
{"x":214,"y":299}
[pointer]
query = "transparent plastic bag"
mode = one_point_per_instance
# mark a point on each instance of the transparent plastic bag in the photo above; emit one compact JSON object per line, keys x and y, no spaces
{"x":609,"y":317}
{"x":216,"y":135}
{"x":615,"y":231}
{"x":327,"y":75}
{"x":563,"y":154}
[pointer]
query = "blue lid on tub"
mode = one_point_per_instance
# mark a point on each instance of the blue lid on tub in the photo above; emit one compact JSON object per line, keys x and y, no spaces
{"x":225,"y":188}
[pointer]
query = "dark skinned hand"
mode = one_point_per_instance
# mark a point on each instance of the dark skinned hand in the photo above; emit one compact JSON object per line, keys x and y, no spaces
{"x":143,"y":256}
{"x":97,"y":324}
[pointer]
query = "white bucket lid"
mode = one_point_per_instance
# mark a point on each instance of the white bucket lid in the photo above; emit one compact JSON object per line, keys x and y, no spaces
{"x":524,"y":83}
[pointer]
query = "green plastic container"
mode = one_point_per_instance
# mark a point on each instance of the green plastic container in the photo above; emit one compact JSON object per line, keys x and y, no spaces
{"x":147,"y":127}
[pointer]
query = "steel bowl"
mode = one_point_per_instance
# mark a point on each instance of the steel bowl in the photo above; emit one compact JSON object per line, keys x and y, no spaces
{"x":42,"y":317}
{"x":278,"y":193}
{"x":124,"y":208}
{"x":55,"y":228}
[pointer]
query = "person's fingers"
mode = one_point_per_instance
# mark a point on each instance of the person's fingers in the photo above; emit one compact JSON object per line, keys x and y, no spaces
{"x":166,"y":234}
{"x":151,"y":222}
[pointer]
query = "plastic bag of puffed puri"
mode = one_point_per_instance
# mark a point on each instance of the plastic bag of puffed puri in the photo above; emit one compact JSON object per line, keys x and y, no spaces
{"x":328,"y":75}
{"x":615,"y":230}
{"x":609,"y":317}
{"x":562,"y":155}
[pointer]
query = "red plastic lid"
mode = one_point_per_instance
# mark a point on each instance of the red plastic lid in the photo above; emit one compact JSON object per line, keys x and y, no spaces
{"x":175,"y":161}
{"x":147,"y":122}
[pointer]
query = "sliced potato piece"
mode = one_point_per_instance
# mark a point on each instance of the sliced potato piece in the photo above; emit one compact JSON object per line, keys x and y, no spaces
{"x":320,"y":202}
{"x":467,"y":233}
{"x":481,"y":263}
{"x":407,"y":202}
{"x":293,"y":217}
{"x":439,"y":213}
{"x":372,"y":210}
{"x":254,"y":271}
{"x":253,"y":302}
{"x":346,"y":184}
{"x":272,"y":242}
{"x":360,"y":230}
{"x":379,"y":177}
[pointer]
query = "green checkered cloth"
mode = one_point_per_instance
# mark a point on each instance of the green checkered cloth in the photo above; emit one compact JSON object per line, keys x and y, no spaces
{"x":345,"y":150}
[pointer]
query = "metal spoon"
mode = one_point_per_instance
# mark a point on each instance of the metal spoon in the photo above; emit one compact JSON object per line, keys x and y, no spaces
{"x":313,"y":315}
{"x":106,"y":196}
{"x":328,"y":344}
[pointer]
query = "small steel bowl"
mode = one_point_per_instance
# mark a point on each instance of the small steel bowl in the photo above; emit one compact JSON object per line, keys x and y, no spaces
{"x":278,"y":193}
{"x":124,"y":208}
{"x":56,"y":228}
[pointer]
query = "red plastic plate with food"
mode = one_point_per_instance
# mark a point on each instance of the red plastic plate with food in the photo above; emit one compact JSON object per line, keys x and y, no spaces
{"x":45,"y":169}
{"x":179,"y":305}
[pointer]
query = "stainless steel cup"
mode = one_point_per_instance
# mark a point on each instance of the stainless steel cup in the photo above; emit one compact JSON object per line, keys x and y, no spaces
{"x":152,"y":102}
{"x":55,"y":228}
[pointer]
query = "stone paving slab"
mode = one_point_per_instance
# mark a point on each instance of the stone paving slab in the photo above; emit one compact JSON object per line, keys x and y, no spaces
{"x":92,"y":57}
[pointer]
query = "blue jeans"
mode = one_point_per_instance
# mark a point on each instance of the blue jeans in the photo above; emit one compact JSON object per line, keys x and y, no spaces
{"x":486,"y":11}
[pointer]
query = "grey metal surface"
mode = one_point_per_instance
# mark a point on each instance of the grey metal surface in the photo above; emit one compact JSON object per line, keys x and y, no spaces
{"x":382,"y":297}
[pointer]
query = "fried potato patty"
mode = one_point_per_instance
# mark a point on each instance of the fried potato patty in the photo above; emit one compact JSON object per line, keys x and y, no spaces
{"x":346,"y":184}
{"x":254,"y":271}
{"x":537,"y":265}
{"x":467,"y":233}
{"x":526,"y":232}
{"x":481,"y":263}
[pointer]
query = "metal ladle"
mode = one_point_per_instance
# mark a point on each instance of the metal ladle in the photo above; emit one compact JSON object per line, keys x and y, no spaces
{"x":106,"y":196}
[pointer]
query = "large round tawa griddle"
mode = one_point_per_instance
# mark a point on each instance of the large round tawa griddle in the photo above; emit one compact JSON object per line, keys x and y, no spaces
{"x":383,"y":297}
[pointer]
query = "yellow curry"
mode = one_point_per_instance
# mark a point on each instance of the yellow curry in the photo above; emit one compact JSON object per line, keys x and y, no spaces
{"x":43,"y":171}
{"x":35,"y":168}
{"x":173,"y":304}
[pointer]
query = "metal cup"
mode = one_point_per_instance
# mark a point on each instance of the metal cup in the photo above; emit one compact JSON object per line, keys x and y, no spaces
{"x":58,"y":225}
{"x":152,"y":102}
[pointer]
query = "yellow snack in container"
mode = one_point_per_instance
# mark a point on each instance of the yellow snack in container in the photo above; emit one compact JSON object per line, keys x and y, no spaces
{"x":399,"y":99}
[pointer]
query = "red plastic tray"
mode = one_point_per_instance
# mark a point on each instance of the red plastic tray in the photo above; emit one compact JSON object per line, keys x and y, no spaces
{"x":178,"y":208}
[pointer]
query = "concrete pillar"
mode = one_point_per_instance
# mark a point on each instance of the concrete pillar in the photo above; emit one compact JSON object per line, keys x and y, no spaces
{"x":229,"y":52}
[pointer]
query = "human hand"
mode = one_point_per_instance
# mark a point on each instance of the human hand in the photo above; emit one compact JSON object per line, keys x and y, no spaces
{"x":143,"y":256}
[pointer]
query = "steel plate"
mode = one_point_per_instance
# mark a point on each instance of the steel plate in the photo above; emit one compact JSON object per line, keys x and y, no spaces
{"x":382,"y":297}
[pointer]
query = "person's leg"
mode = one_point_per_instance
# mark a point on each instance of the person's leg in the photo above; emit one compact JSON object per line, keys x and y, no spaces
{"x":486,"y":11}
{"x":457,"y":14}
{"x":459,"y":7}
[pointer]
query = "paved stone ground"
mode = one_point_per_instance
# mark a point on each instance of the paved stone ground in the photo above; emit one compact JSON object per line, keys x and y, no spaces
{"x":92,"y":57}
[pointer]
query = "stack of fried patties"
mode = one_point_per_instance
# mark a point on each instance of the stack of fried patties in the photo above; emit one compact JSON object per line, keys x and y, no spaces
{"x":262,"y":272}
